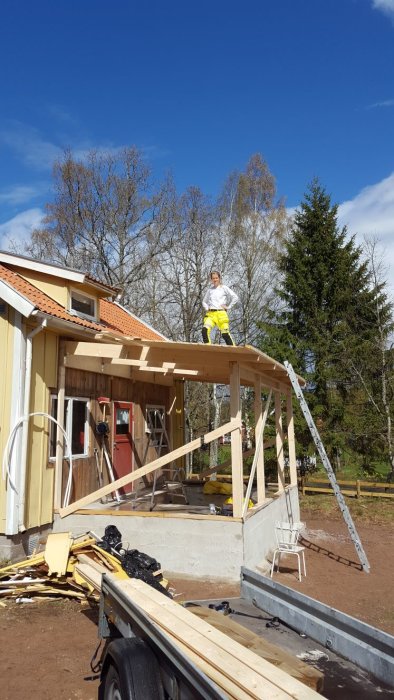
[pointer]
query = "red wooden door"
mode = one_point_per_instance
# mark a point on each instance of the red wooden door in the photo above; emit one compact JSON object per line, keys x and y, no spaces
{"x":122,"y":454}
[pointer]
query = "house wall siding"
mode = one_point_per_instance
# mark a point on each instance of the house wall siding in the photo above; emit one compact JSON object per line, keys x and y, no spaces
{"x":91,"y":386}
{"x":56,"y":288}
{"x":6,"y":347}
{"x":40,"y":472}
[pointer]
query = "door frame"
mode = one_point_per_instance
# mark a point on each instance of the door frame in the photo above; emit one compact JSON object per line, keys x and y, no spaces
{"x":129,"y":437}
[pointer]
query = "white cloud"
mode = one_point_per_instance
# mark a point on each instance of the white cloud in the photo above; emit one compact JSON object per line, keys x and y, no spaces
{"x":36,"y":152}
{"x":18,"y":229}
{"x":383,"y":103}
{"x":386,"y":6}
{"x":371,"y":213}
{"x":20,"y":194}
{"x":31,"y":148}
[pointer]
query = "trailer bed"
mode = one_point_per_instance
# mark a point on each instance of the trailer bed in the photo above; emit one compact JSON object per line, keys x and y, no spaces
{"x":343,"y":680}
{"x":269,"y":642}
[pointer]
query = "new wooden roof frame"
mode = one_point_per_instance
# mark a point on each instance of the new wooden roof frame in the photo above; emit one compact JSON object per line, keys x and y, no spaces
{"x":137,"y":359}
{"x":162,"y":362}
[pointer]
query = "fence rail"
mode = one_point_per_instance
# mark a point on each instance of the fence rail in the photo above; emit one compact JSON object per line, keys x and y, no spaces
{"x":355,"y":488}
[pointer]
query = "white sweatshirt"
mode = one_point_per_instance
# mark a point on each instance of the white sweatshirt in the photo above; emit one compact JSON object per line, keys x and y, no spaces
{"x":217,"y":297}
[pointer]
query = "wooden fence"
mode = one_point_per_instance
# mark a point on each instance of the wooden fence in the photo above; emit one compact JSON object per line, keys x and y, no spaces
{"x":356,"y":488}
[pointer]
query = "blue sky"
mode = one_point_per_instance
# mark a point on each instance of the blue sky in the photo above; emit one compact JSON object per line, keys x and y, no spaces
{"x":200,"y":86}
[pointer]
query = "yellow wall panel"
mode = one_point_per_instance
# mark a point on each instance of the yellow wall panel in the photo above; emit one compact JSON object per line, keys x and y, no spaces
{"x":6,"y":353}
{"x":40,"y":474}
{"x":55,"y":288}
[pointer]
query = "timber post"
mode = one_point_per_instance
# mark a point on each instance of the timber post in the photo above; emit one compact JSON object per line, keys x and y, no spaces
{"x":279,"y":442}
{"x":236,"y":441}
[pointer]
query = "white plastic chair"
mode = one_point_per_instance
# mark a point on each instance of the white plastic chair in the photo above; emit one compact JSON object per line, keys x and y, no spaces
{"x":287,"y":536}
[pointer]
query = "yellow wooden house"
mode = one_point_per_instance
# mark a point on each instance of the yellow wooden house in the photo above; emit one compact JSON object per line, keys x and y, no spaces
{"x":81,"y":373}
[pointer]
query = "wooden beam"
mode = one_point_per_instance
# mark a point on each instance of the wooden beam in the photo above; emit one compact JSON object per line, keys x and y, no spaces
{"x":168,"y":370}
{"x":139,"y":369}
{"x":279,"y":442}
{"x":267,"y":380}
{"x":236,"y":441}
{"x":291,"y":440}
{"x":166,"y":367}
{"x":83,"y":349}
{"x":259,"y":450}
{"x":258,"y":414}
{"x":270,"y":652}
{"x":151,"y":467}
{"x":97,"y":365}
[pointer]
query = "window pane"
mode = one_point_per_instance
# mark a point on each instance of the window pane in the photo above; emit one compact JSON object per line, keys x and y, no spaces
{"x":78,"y":427}
{"x":75,"y":419}
{"x":122,"y":421}
{"x":53,"y":429}
{"x":82,"y":305}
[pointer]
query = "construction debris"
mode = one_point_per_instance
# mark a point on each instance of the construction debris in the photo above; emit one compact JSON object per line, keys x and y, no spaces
{"x":73,"y":568}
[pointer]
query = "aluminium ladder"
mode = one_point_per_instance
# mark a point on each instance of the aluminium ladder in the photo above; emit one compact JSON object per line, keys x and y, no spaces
{"x":327,"y":465}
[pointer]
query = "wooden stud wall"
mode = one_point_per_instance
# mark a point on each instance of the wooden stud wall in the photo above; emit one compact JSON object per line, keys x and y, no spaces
{"x":91,"y":385}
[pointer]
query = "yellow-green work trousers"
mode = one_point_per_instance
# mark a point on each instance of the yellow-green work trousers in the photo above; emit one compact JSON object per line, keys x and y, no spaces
{"x":214,"y":318}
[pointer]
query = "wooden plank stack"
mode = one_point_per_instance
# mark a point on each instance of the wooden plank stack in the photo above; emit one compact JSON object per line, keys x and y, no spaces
{"x":238,"y":671}
{"x":271,"y":652}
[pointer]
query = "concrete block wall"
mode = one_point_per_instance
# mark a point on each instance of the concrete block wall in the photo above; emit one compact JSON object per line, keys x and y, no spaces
{"x":197,"y":547}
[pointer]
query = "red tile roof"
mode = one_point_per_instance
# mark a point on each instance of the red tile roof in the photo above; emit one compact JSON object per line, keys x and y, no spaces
{"x":121,"y":320}
{"x":112,"y":316}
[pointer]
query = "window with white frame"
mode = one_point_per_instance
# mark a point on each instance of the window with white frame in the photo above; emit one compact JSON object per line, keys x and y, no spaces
{"x":83,"y":305}
{"x":155,"y":424}
{"x":76,"y":425}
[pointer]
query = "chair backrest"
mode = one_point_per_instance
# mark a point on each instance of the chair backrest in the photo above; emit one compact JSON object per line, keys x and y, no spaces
{"x":287,"y":534}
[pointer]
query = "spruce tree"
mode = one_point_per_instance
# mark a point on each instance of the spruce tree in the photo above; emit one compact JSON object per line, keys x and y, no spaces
{"x":327,"y":318}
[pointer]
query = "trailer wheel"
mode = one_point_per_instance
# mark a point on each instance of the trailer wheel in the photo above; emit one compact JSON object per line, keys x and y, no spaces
{"x":130,"y":672}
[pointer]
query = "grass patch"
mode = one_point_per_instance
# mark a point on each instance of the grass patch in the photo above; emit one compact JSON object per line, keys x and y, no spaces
{"x":367,"y":510}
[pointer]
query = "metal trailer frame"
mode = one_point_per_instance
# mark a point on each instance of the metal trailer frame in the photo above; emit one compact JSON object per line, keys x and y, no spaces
{"x":367,"y":647}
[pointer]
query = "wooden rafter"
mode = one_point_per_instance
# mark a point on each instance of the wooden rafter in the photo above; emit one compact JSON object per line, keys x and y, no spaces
{"x":160,"y":361}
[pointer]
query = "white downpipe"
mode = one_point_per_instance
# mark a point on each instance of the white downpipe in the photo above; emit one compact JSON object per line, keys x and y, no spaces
{"x":25,"y":426}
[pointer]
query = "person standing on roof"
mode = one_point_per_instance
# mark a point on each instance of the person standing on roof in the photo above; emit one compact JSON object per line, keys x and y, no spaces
{"x":217,"y":300}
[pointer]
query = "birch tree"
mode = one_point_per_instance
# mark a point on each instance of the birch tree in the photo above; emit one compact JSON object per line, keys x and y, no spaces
{"x":176,"y":285}
{"x":253,"y":225}
{"x":106,"y":218}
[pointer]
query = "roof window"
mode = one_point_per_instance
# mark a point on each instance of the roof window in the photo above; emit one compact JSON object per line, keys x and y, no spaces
{"x":83,"y":305}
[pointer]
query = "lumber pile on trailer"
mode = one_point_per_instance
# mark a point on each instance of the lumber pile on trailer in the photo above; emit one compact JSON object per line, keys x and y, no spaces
{"x":236,"y":670}
{"x":270,"y":652}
